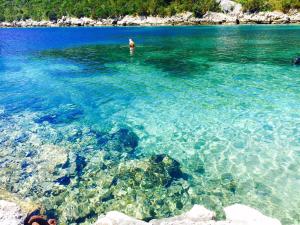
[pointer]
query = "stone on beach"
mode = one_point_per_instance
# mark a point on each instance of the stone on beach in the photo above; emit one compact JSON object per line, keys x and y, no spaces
{"x":117,"y":218}
{"x":241,"y":214}
{"x":10,"y":213}
{"x":197,"y":215}
{"x":235,"y":215}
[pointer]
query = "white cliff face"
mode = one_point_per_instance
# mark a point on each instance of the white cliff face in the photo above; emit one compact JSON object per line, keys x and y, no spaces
{"x":10,"y":213}
{"x":235,"y":215}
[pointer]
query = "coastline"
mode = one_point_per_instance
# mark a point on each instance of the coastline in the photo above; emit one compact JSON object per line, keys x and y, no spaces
{"x":210,"y":18}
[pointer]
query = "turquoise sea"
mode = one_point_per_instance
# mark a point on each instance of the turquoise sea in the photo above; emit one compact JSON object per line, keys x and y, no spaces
{"x":194,"y":115}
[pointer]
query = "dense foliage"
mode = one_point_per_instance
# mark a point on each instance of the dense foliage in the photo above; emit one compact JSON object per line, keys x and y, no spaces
{"x":270,"y":5}
{"x":53,"y":9}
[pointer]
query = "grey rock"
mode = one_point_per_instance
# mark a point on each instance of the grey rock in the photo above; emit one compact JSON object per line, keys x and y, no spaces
{"x":10,"y":213}
{"x":295,"y":17}
{"x":197,"y":215}
{"x":266,"y":18}
{"x":117,"y":218}
{"x":230,"y":7}
{"x":241,"y":214}
{"x":235,"y":215}
{"x":219,"y":18}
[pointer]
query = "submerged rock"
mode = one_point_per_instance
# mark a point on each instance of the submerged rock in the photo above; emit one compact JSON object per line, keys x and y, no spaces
{"x":144,"y":188}
{"x":65,"y":180}
{"x":126,"y":137}
{"x":159,"y":170}
{"x":122,"y":141}
{"x":63,"y":114}
{"x":296,"y":61}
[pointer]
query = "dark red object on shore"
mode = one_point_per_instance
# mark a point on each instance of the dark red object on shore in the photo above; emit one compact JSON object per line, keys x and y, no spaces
{"x":38,"y":220}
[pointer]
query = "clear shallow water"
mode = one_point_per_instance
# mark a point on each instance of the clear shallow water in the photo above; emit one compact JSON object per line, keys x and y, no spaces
{"x":222,"y":101}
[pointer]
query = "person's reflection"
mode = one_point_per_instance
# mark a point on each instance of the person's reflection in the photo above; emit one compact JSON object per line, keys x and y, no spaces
{"x":131,"y":51}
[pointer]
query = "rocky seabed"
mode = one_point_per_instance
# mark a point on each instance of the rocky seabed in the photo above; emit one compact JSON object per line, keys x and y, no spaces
{"x":84,"y":176}
{"x":12,"y":214}
{"x":179,"y":19}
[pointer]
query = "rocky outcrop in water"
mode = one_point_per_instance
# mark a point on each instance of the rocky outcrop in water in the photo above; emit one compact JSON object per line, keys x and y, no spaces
{"x":231,"y":13}
{"x":296,"y":61}
{"x":77,"y":173}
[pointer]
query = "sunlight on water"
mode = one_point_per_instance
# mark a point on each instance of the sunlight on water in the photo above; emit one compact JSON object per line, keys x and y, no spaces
{"x":86,"y":124}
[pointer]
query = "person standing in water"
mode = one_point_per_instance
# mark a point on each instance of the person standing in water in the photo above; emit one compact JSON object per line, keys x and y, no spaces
{"x":131,"y":43}
{"x":131,"y":47}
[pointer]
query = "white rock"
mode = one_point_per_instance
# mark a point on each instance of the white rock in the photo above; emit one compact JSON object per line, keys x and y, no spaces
{"x":295,"y":18}
{"x":230,"y":7}
{"x":76,"y":22}
{"x":6,"y":24}
{"x":218,"y":18}
{"x":254,"y":18}
{"x":131,"y":20}
{"x":117,"y":218}
{"x":10,"y":213}
{"x":88,"y":21}
{"x":278,"y":17}
{"x":198,"y":212}
{"x":198,"y":215}
{"x":241,"y":214}
{"x":98,"y":23}
{"x":155,"y":20}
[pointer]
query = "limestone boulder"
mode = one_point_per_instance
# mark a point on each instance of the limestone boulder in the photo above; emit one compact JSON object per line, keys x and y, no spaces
{"x":117,"y":218}
{"x":244,"y":215}
{"x":218,"y":18}
{"x":235,"y":215}
{"x":10,"y":213}
{"x":230,"y":7}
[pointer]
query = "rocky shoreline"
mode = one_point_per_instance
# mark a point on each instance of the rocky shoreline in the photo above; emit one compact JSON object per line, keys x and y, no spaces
{"x":210,"y":18}
{"x":230,"y":13}
{"x":12,"y":214}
